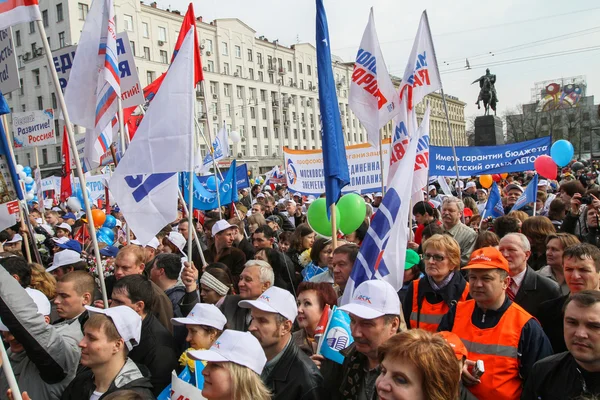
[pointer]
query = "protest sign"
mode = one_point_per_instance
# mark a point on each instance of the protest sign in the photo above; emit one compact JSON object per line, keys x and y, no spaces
{"x":131,"y":91}
{"x":95,"y":183}
{"x":181,"y":390}
{"x":51,"y":183}
{"x":33,"y":128}
{"x":304,"y":169}
{"x":482,"y":160}
{"x":9,"y":72}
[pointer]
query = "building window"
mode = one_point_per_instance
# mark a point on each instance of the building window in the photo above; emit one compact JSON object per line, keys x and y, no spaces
{"x":226,"y":68}
{"x":162,"y":34}
{"x":132,"y":44}
{"x":264,"y":113}
{"x":252,"y":93}
{"x":59,"y":12}
{"x":254,"y":132}
{"x":61,"y":39}
{"x":261,"y":76}
{"x":263,"y":95}
{"x":45,"y":156}
{"x":259,"y":59}
{"x":40,"y":101}
{"x":239,"y":91}
{"x":208,"y":45}
{"x":252,"y":114}
{"x":32,"y":27}
{"x":147,"y":53}
{"x":18,"y":38}
{"x":45,"y":18}
{"x":289,"y":66}
{"x":238,"y":52}
{"x":54,"y":103}
{"x":145,"y":30}
{"x":251,"y":73}
{"x":23,"y":108}
{"x":308,"y":69}
{"x":300,"y":68}
{"x":33,"y":49}
{"x":213,"y":88}
{"x":301,"y":83}
{"x":36,"y":77}
{"x":265,"y":132}
{"x":227,"y":90}
{"x":266,"y":150}
{"x":249,"y":54}
{"x":22,"y":88}
{"x":225,"y":47}
{"x":211,"y":66}
{"x":164,"y":57}
{"x":295,"y":133}
{"x":128,"y":21}
{"x":149,"y":77}
{"x":238,"y":70}
{"x":271,"y":77}
{"x":56,"y":129}
{"x":58,"y":154}
{"x":255,"y":150}
{"x":228,"y":110}
{"x":83,"y":11}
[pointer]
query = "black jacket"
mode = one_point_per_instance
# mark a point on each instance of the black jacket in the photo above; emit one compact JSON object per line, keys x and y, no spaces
{"x":236,"y":316}
{"x":245,"y":246}
{"x":156,"y":351}
{"x":551,"y":319}
{"x":129,"y":378}
{"x":450,"y":294}
{"x":295,"y":376}
{"x":586,"y":234}
{"x":534,"y":290}
{"x":559,"y":377}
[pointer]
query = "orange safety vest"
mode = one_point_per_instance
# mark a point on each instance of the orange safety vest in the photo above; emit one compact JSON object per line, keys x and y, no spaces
{"x":431,"y":314}
{"x":497,"y":347}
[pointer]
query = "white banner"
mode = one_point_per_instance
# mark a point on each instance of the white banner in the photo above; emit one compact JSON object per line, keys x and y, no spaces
{"x":51,"y":183}
{"x":33,"y":128}
{"x":304,"y":169}
{"x":9,"y":72}
{"x":131,"y":89}
{"x":95,"y":183}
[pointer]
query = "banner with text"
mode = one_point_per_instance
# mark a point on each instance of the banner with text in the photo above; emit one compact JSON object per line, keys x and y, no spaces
{"x":241,"y":177}
{"x":481,"y":160}
{"x":95,"y":183}
{"x":9,"y":72}
{"x":33,"y":128}
{"x":130,"y":84}
{"x":304,"y":169}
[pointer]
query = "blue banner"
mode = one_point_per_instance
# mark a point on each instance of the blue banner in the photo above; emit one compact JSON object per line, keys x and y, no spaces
{"x":472,"y":161}
{"x":241,"y":176}
{"x":205,"y":199}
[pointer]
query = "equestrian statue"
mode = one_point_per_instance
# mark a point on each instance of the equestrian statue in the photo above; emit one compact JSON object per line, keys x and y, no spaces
{"x":487,"y":94}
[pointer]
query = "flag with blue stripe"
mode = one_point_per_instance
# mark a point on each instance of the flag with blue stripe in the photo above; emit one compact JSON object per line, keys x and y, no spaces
{"x":528,"y":196}
{"x":494,"y":207}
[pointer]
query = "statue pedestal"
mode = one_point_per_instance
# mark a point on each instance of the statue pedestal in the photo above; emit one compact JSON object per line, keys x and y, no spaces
{"x":488,"y":131}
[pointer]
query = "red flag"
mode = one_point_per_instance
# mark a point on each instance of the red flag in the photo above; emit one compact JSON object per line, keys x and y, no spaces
{"x":65,"y":181}
{"x":188,"y":21}
{"x":323,"y":321}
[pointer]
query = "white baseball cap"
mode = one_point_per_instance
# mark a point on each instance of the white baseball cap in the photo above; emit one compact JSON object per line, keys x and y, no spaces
{"x":543,"y":182}
{"x":459,"y":183}
{"x":368,"y":196}
{"x":16,"y":238}
{"x":260,"y":195}
{"x":292,"y":202}
{"x":64,"y":226}
{"x":471,"y":185}
{"x":378,"y":194}
{"x":274,"y":300}
{"x":221,"y":225}
{"x":64,"y":257}
{"x":154,"y":243}
{"x":203,"y":314}
{"x":61,"y":240}
{"x":127,"y":322}
{"x":40,"y":300}
{"x":241,"y":348}
{"x":177,"y":239}
{"x":431,"y":187}
{"x":373,"y":299}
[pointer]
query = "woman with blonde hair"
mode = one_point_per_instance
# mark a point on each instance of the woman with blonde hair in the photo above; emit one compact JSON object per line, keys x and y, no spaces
{"x":254,"y":221}
{"x":233,"y":368}
{"x":417,"y":365}
{"x":429,"y":298}
{"x":45,"y":282}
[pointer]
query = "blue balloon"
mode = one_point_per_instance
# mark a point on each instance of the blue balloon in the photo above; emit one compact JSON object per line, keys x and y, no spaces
{"x":27,"y":170}
{"x":110,"y":222}
{"x":77,"y":193}
{"x":106,"y":235}
{"x":28,"y":186}
{"x":211,"y":183}
{"x":105,"y":239}
{"x":562,"y":152}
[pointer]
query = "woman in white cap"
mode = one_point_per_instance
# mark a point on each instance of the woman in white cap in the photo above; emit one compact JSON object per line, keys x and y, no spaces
{"x":204,"y":324}
{"x":234,"y":365}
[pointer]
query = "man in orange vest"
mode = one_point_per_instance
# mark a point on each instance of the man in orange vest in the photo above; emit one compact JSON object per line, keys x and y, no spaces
{"x":495,"y":330}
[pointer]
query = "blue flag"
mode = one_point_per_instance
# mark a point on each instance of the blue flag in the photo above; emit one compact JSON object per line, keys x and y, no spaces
{"x":207,"y":200}
{"x":528,"y":196}
{"x":338,"y":336}
{"x":5,"y":150}
{"x":335,"y":164}
{"x":493,"y":207}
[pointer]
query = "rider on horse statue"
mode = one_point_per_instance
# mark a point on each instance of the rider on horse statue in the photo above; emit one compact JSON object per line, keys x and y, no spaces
{"x":487,"y":94}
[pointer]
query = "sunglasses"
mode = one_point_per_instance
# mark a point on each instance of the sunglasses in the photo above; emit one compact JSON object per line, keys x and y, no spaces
{"x":436,"y":257}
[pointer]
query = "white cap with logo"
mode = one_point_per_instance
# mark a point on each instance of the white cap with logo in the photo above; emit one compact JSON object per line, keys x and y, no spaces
{"x":40,"y":300}
{"x":127,"y":322}
{"x":241,"y":348}
{"x":203,"y":314}
{"x":64,"y":257}
{"x":373,"y":299}
{"x":274,"y":300}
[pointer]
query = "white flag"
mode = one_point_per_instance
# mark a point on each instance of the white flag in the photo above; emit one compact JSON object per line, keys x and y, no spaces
{"x":421,"y":159}
{"x":373,"y":97}
{"x":220,"y":149}
{"x":421,"y":75}
{"x":145,"y":182}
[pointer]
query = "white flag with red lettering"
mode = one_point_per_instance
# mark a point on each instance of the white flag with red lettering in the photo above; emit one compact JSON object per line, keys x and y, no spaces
{"x":421,"y":160}
{"x":421,"y":75}
{"x":13,"y":12}
{"x":373,"y":98}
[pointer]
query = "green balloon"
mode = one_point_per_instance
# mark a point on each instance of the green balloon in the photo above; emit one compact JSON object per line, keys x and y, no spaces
{"x":353,"y":210}
{"x":317,"y":217}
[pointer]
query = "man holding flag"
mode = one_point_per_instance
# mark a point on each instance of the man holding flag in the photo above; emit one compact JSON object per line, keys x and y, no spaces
{"x":523,"y":197}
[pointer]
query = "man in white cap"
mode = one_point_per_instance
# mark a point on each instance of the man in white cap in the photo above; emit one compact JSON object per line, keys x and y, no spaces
{"x":63,"y":230}
{"x":289,"y":373}
{"x":66,"y":261}
{"x":150,"y":249}
{"x":543,"y":185}
{"x":43,"y":357}
{"x":374,"y":318}
{"x":481,"y":200}
{"x":109,"y":335}
{"x":433,"y":194}
{"x":222,"y":249}
{"x":471,"y":190}
{"x":377,"y":197}
{"x":368,"y":198}
{"x":294,"y":213}
{"x":14,"y":244}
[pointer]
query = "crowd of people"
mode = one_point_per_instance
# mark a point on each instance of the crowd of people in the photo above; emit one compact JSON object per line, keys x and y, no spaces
{"x":490,"y":308}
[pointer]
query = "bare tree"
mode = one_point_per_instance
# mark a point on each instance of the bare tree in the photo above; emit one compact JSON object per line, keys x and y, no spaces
{"x":515,"y":125}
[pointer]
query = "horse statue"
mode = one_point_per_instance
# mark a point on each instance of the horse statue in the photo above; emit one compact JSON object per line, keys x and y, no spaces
{"x":487,"y":94}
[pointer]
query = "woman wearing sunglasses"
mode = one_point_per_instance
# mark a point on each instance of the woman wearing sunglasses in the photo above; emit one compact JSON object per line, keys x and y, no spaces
{"x":428,"y":299}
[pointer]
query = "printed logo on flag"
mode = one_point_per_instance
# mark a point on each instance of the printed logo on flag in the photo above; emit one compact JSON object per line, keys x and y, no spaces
{"x":291,"y":173}
{"x":144,"y":184}
{"x":337,"y":338}
{"x":419,"y":77}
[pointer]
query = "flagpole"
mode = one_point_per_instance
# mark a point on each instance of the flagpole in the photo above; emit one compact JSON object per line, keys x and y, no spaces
{"x":72,"y":143}
{"x":123,"y":148}
{"x":196,"y":239}
{"x":10,"y":375}
{"x":191,"y":226}
{"x":381,"y":166}
{"x":333,"y":227}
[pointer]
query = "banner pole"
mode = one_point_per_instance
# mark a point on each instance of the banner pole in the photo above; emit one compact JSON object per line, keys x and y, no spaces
{"x":190,"y":210}
{"x":381,"y":163}
{"x":72,"y":143}
{"x":333,"y":227}
{"x":196,"y":239}
{"x":10,"y":375}
{"x":123,"y":148}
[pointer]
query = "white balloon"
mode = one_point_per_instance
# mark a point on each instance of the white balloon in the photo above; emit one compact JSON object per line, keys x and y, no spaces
{"x":74,"y":204}
{"x":19,"y":169}
{"x":22,"y":175}
{"x":235,"y":136}
{"x":28,"y":180}
{"x":29,"y":196}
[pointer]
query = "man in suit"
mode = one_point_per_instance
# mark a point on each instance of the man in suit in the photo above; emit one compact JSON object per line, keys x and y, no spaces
{"x":256,"y":277}
{"x":526,"y":288}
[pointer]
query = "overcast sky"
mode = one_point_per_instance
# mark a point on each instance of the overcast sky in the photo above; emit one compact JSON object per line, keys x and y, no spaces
{"x":461,"y":29}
